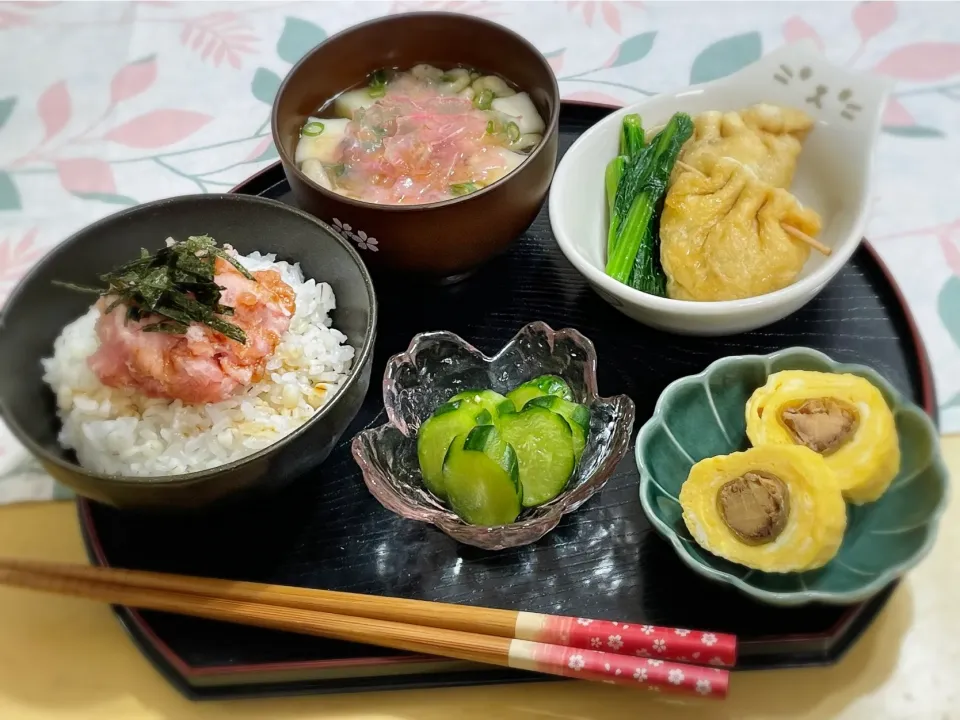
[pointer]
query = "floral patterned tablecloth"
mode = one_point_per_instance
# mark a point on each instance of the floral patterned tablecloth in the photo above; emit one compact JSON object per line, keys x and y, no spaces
{"x":106,"y":105}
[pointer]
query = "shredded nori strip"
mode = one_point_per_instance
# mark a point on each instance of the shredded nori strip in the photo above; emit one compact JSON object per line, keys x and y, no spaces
{"x":175,"y":284}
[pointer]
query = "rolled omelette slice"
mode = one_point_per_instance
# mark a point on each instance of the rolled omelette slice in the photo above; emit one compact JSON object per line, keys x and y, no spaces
{"x":776,"y":508}
{"x":839,"y":415}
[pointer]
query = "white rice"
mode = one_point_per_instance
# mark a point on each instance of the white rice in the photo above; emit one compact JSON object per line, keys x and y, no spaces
{"x":121,"y":432}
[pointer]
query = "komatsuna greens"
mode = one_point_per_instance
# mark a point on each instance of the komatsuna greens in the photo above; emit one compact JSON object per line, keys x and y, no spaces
{"x":644,"y":173}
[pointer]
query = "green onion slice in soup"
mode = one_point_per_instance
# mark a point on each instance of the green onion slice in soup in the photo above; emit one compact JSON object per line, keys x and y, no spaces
{"x":464,"y":188}
{"x":484,"y":100}
{"x":377,"y":84}
{"x":313,"y":129}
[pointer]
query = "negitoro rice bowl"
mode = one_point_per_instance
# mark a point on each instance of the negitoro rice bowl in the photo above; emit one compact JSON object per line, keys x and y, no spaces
{"x":122,"y":430}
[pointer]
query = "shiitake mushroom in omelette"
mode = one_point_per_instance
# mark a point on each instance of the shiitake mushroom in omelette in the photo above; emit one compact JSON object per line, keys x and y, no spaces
{"x":841,"y":416}
{"x":776,"y":508}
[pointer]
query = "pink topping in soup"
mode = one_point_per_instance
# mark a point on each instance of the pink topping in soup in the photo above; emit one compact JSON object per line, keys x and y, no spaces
{"x":414,"y":144}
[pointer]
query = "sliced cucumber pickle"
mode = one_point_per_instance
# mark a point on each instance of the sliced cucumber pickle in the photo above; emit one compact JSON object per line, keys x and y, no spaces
{"x":577,"y":416}
{"x":496,"y":403}
{"x":482,"y":478}
{"x":539,"y":387}
{"x":436,"y":435}
{"x":489,"y":456}
{"x":543,"y":442}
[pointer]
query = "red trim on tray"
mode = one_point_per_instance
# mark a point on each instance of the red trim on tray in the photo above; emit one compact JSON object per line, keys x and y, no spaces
{"x":268,"y":169}
{"x":188,"y":671}
{"x":926,"y":374}
{"x":592,"y":104}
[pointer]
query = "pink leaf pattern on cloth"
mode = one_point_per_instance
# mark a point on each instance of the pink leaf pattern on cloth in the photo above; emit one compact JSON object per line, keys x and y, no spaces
{"x":16,"y":256}
{"x":609,"y":11}
{"x":796,"y":28}
{"x":219,"y":36}
{"x":588,"y":13}
{"x":54,"y":109}
{"x":922,"y":62}
{"x":480,"y":8}
{"x":588,"y":96}
{"x":133,"y":79}
{"x":612,"y":60}
{"x":896,"y":115}
{"x":872,"y":18}
{"x":10,"y":19}
{"x":951,"y":254}
{"x":259,"y":149}
{"x":556,"y":60}
{"x":158,"y":128}
{"x":86,"y":175}
{"x":611,"y":15}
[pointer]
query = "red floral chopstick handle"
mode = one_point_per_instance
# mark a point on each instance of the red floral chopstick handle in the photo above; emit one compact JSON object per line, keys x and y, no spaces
{"x":692,"y":646}
{"x":649,"y":673}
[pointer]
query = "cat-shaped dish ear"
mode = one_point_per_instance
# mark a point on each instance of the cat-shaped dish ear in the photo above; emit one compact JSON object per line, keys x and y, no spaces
{"x":798,"y":75}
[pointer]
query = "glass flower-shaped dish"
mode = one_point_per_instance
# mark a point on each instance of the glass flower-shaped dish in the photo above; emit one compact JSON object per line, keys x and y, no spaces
{"x":436,"y":366}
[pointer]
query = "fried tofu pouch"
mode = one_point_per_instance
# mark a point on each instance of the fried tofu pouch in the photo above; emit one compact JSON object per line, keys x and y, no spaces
{"x":722,"y":235}
{"x":765,"y":138}
{"x":841,"y":416}
{"x":776,"y":508}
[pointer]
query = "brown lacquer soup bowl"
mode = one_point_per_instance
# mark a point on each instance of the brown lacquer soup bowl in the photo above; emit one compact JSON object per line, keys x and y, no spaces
{"x":440,"y":240}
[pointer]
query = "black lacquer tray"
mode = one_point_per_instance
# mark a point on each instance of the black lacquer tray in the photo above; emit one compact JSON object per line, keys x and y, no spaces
{"x":604,"y":561}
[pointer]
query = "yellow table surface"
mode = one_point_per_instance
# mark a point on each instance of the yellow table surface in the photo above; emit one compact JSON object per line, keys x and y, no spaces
{"x":66,"y":658}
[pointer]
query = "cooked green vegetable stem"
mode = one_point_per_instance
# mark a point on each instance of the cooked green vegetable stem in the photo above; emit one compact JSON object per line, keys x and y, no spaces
{"x":611,"y":181}
{"x":634,"y":229}
{"x":633,"y":240}
{"x":647,"y":275}
{"x":631,"y":136}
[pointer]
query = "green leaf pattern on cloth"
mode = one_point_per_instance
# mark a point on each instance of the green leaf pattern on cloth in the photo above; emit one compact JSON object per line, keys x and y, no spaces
{"x":9,"y":195}
{"x":634,"y":49}
{"x":6,"y":109}
{"x":725,"y":57}
{"x":299,"y":37}
{"x":913,"y":131}
{"x":265,"y":85}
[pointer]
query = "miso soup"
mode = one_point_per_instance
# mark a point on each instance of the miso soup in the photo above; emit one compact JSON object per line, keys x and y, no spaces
{"x":419,"y":136}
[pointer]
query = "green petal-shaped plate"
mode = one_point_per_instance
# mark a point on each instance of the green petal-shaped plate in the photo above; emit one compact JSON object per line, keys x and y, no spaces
{"x":703,"y":415}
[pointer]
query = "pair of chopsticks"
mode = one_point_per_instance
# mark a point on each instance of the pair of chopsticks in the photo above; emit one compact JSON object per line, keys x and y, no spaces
{"x":640,"y":655}
{"x":788,"y":229}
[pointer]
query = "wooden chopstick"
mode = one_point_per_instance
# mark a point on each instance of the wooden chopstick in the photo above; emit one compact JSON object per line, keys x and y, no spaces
{"x":789,"y":229}
{"x":681,"y":645}
{"x":471,"y":647}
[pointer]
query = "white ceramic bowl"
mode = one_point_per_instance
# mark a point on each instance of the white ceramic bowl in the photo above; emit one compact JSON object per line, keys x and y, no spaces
{"x":833,"y":177}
